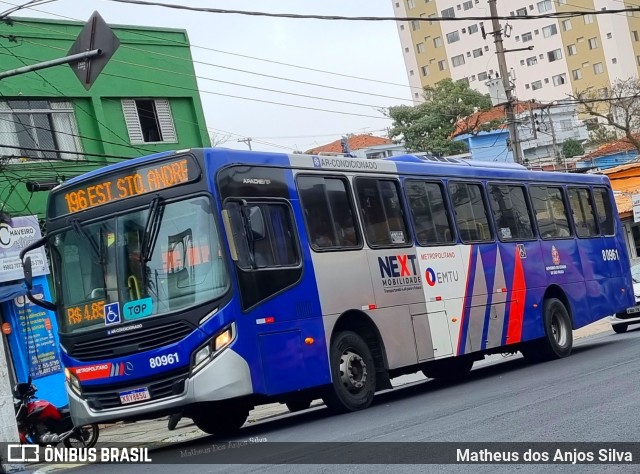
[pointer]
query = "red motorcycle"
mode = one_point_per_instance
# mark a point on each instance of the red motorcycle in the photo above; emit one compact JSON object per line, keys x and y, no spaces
{"x":41,"y":422}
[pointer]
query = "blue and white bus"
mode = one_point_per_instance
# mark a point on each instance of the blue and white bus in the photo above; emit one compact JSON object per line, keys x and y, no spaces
{"x":209,"y":281}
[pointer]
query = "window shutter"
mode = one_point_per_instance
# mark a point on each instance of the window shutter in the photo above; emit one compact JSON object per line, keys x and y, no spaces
{"x":132,"y":120}
{"x":165,"y":120}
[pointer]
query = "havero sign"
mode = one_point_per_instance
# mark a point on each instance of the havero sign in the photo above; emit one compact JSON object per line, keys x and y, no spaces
{"x":14,"y":236}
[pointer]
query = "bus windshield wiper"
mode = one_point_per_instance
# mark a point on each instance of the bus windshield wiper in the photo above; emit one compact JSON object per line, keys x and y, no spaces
{"x":151,"y":229}
{"x":82,"y":232}
{"x":246,"y":220}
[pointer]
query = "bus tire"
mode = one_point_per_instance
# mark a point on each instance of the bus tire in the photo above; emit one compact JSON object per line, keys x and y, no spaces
{"x":220,"y":419}
{"x":453,"y":369}
{"x":619,"y":328}
{"x":298,"y":404}
{"x":353,"y":374}
{"x":558,"y":339}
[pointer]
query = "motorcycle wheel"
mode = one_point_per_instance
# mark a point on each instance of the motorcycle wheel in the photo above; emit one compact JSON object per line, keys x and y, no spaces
{"x":83,"y":437}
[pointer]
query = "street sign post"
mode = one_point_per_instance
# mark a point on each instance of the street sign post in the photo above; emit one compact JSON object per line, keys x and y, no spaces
{"x":96,"y":34}
{"x":635,"y":199}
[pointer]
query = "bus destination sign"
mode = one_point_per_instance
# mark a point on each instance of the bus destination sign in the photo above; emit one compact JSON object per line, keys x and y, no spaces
{"x":127,"y":183}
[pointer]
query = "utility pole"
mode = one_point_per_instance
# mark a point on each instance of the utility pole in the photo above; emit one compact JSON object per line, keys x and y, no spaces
{"x":553,"y":138}
{"x":247,"y":141}
{"x":502,"y":63}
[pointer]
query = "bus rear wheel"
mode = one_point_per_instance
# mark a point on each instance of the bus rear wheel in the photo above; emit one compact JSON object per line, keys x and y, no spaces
{"x":353,"y":374}
{"x":220,"y":419}
{"x":558,"y":339}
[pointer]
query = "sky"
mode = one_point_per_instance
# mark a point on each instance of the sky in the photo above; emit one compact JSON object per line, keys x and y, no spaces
{"x":364,"y":49}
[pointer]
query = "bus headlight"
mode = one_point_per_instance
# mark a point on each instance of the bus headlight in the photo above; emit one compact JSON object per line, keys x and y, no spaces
{"x":73,"y":381}
{"x":206,"y":353}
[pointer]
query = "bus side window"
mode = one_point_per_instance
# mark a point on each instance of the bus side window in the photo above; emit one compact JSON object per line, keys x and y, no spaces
{"x":471,"y":212}
{"x":382,"y":214}
{"x":604,"y":210}
{"x":550,"y":211}
{"x":329,"y":213}
{"x":511,"y":212}
{"x":583,"y":212}
{"x":430,"y":216}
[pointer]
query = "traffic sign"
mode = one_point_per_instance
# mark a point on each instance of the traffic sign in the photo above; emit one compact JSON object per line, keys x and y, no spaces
{"x":96,"y":34}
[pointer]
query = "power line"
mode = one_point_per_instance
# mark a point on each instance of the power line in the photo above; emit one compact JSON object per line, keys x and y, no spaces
{"x":371,"y":18}
{"x":207,"y":48}
{"x":56,"y":150}
{"x":26,"y":5}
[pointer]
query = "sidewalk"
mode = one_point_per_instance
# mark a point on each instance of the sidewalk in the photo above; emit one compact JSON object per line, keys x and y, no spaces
{"x":154,"y":432}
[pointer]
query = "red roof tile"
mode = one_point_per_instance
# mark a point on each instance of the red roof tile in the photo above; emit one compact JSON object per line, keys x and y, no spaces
{"x":610,"y":148}
{"x":356,"y":142}
{"x":472,"y":122}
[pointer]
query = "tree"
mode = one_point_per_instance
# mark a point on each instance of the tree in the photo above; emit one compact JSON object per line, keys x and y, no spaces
{"x":599,"y":135}
{"x":618,"y":105}
{"x":571,"y":148}
{"x":429,"y":126}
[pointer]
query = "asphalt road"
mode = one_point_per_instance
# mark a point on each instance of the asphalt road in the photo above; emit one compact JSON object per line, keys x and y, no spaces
{"x":592,"y":396}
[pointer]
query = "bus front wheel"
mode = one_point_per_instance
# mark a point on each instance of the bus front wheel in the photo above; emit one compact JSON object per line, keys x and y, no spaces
{"x":558,"y":339}
{"x":619,"y":328}
{"x":218,"y":419}
{"x":353,"y":374}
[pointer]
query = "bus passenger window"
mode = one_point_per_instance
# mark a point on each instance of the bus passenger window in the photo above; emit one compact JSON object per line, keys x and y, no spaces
{"x":583,"y":212}
{"x":328,"y":213}
{"x":605,"y":210}
{"x":471,"y":212}
{"x":550,"y":211}
{"x":382,"y":212}
{"x":512,"y":217}
{"x":430,"y":217}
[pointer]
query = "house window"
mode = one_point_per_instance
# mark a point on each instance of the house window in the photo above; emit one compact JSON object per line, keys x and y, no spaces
{"x":420,"y":48}
{"x":572,"y":50}
{"x":532,"y":60}
{"x":566,"y":125}
{"x":442,"y":65}
{"x":149,"y":120}
{"x":577,"y":74}
{"x":554,"y":55}
{"x":593,"y":43}
{"x":477,"y":53}
{"x":549,"y":31}
{"x":614,"y":60}
{"x":415,"y":25}
{"x":566,"y":25}
{"x":30,"y":127}
{"x":559,"y":79}
{"x":609,"y":36}
{"x":588,"y":19}
{"x":536,"y":85}
{"x":521,"y":12}
{"x":467,"y":5}
{"x":527,"y":37}
{"x":425,"y":70}
{"x":457,"y":60}
{"x":437,"y":42}
{"x":411,"y":3}
{"x":544,"y":6}
{"x":473,"y":29}
{"x":636,"y":37}
{"x":482,"y":76}
{"x":453,"y":37}
{"x":597,"y":68}
{"x":448,"y":13}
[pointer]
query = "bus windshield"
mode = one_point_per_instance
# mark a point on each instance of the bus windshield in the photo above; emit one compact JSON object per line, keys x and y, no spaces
{"x":153,"y":261}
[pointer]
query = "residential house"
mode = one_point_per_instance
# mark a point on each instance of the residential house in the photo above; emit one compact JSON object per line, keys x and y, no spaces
{"x":145,"y":100}
{"x":610,"y":154}
{"x":362,"y":146}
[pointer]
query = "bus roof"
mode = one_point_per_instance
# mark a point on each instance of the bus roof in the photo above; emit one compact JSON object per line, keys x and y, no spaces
{"x":403,"y":164}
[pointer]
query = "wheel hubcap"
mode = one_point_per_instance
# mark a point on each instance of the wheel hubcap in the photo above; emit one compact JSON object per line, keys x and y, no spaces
{"x":353,"y":371}
{"x":558,"y":330}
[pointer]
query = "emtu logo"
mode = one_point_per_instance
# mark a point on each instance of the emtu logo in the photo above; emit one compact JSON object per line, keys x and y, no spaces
{"x":430,"y":277}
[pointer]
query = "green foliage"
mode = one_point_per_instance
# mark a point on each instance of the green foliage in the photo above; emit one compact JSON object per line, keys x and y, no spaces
{"x":600,"y":135}
{"x":428,"y":126}
{"x":571,"y":148}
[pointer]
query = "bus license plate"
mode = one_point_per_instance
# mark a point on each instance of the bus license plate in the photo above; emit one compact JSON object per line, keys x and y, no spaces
{"x":635,"y":309}
{"x":132,"y":396}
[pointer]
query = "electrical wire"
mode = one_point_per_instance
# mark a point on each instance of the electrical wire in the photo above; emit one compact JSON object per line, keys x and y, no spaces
{"x":371,"y":18}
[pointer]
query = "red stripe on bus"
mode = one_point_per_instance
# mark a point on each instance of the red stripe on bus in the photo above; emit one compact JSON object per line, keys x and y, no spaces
{"x":516,"y":308}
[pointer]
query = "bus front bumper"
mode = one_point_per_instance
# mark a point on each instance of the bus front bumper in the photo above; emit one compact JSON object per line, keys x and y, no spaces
{"x":226,"y":376}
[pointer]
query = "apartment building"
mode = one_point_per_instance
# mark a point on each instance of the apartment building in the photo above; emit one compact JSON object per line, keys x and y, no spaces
{"x":571,"y":54}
